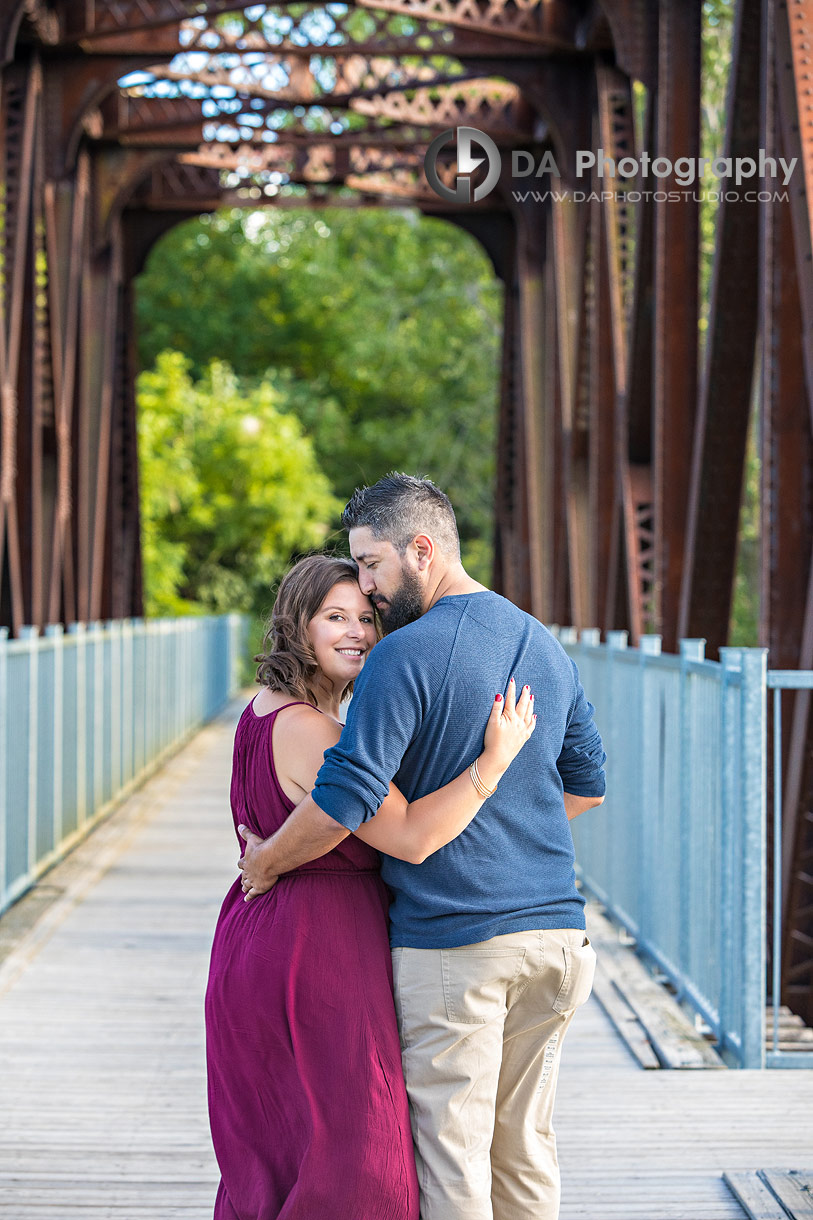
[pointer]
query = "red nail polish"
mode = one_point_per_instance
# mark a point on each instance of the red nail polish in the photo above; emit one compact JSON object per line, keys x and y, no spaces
{"x":498,"y":699}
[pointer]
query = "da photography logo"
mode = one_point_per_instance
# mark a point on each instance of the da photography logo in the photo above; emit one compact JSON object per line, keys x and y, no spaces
{"x":467,"y":162}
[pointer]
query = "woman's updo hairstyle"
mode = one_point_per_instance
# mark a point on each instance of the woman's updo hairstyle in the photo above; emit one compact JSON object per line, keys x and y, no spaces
{"x":288,"y":662}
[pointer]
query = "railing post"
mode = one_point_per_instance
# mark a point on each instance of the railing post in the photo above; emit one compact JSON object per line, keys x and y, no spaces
{"x":616,"y":641}
{"x":128,"y":701}
{"x":112,"y":630}
{"x":730,"y":963}
{"x":754,"y":853}
{"x":648,"y":809}
{"x":776,"y":947}
{"x":690,"y":650}
{"x":97,"y":713}
{"x":80,"y":737}
{"x":55,"y":632}
{"x":150,"y":717}
{"x":3,"y":763}
{"x":589,"y":847}
{"x":235,"y":650}
{"x":31,"y":636}
{"x":589,"y":637}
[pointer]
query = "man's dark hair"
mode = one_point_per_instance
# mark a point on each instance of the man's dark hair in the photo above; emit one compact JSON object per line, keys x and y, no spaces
{"x":399,"y":507}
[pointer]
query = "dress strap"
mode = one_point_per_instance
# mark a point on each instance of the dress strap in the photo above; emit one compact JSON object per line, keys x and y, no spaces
{"x":293,"y":703}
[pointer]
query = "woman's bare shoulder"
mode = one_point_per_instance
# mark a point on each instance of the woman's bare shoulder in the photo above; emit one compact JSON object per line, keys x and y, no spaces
{"x":300,"y":737}
{"x":302,"y":724}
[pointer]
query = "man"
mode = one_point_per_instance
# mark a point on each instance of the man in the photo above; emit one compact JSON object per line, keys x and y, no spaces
{"x":490,"y":958}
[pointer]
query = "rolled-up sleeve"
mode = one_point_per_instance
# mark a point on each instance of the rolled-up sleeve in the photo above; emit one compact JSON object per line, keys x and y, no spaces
{"x":383,"y":717}
{"x":581,"y":760}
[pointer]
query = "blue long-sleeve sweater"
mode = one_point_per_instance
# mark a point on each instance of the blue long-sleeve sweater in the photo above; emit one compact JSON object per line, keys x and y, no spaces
{"x":417,"y":717}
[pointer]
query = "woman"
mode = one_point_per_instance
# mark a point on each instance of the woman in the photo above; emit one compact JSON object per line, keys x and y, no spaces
{"x":307,"y":1101}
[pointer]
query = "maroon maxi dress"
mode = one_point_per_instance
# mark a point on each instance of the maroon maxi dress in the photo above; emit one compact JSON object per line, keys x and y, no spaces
{"x":307,"y":1100}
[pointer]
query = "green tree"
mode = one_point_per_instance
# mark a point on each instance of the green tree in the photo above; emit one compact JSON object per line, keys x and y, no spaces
{"x":382,"y":329}
{"x":230,"y":489}
{"x":718,"y":31}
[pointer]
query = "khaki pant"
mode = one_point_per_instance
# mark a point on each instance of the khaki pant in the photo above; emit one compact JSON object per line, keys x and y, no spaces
{"x":481,"y":1035}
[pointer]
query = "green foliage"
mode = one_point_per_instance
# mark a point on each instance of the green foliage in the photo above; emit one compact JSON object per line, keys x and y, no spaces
{"x":718,"y":23}
{"x":744,"y":627}
{"x":382,"y":329}
{"x":230,"y":489}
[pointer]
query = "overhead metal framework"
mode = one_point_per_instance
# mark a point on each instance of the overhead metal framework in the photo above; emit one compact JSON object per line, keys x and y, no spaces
{"x":623,"y":420}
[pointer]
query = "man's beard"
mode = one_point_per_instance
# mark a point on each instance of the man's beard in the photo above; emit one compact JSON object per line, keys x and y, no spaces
{"x":405,"y":605}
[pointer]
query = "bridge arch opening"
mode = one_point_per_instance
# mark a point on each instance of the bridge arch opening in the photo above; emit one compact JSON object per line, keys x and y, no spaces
{"x":378,"y":330}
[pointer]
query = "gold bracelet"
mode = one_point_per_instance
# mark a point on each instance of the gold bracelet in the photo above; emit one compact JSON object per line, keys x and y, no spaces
{"x":477,"y":780}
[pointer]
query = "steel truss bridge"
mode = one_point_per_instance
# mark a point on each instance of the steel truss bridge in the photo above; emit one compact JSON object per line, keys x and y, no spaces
{"x":623,"y":424}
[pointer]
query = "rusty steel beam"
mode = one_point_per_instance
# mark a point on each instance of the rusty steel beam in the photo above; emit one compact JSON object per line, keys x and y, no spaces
{"x":21,"y":97}
{"x":550,"y":25}
{"x":66,"y":228}
{"x":92,"y":18}
{"x":627,"y":259}
{"x":552,"y":490}
{"x":291,"y":32}
{"x":11,"y":16}
{"x":604,"y":497}
{"x":101,"y":311}
{"x":138,"y":121}
{"x":531,"y":423}
{"x":726,"y":388}
{"x":634,"y":25}
{"x":570,"y":283}
{"x":289,"y":78}
{"x":176,"y":122}
{"x":493,"y":106}
{"x":787,"y":529}
{"x":794,"y":38}
{"x":510,"y":546}
{"x":559,"y":95}
{"x":183,"y":189}
{"x":313,"y":162}
{"x":77,"y":92}
{"x":616,"y":134}
{"x":787,"y":474}
{"x":619,"y":577}
{"x":676,"y":304}
{"x":121,"y":567}
{"x":561,"y":584}
{"x":127,"y":115}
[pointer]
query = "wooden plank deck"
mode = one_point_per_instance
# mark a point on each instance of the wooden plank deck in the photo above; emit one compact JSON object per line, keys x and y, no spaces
{"x":102,"y":1083}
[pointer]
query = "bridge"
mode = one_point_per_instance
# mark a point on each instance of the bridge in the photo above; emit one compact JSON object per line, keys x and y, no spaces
{"x":647,"y":329}
{"x":102,"y":1075}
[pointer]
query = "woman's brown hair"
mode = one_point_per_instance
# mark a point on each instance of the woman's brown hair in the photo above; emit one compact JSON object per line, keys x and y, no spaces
{"x":288,"y":662}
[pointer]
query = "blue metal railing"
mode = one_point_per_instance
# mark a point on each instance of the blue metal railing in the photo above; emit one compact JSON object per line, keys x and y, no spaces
{"x":779,"y":680}
{"x":85,"y":716}
{"x":677,"y":853}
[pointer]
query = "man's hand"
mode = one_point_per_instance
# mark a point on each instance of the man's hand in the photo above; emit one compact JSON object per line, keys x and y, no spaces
{"x":255,"y":866}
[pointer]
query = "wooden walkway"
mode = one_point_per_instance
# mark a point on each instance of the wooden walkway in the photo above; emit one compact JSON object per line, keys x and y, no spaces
{"x":102,"y":1083}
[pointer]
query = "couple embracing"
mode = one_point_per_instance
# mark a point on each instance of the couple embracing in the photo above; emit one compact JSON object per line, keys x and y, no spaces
{"x":328,"y":1102}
